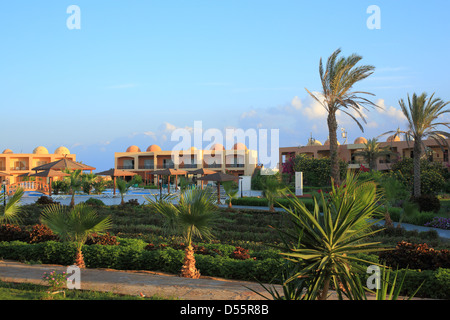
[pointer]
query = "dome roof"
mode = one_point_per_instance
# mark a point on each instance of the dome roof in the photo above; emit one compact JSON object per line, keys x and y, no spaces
{"x":392,"y":138}
{"x":239,"y":146}
{"x":7,"y":151}
{"x":314,"y":142}
{"x":360,"y":140}
{"x":40,"y":150}
{"x":153,"y":148}
{"x":218,"y":147}
{"x":62,"y":150}
{"x":133,"y":149}
{"x":327,"y":143}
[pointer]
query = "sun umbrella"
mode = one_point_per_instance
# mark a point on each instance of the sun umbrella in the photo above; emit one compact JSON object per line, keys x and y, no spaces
{"x":64,"y":163}
{"x":170,"y":172}
{"x":116,"y":173}
{"x":203,"y":172}
{"x":219,"y":177}
{"x":50,"y":174}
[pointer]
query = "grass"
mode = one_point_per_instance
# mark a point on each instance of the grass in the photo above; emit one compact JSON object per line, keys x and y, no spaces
{"x":28,"y":291}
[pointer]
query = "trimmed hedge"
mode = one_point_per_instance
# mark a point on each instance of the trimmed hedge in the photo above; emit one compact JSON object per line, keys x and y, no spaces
{"x":130,"y":254}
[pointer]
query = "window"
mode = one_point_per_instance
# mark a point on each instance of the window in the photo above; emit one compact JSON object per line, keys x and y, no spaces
{"x":446,"y":155}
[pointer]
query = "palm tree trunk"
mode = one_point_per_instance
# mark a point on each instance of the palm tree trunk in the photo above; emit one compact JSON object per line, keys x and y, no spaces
{"x":79,"y":259}
{"x":188,"y":270}
{"x":72,"y":201}
{"x":416,"y":162}
{"x":332,"y":128}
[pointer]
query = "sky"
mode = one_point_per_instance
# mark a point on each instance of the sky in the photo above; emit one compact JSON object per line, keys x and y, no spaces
{"x":135,"y":71}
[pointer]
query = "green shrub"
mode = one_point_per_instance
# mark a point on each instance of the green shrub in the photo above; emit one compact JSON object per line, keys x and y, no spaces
{"x":427,"y":202}
{"x":95,"y":202}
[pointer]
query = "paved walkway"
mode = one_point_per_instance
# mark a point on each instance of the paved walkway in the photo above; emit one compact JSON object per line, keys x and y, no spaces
{"x":139,"y":282}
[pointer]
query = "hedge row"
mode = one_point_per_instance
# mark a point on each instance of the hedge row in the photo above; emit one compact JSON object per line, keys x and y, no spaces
{"x":262,"y":202}
{"x":131,"y":255}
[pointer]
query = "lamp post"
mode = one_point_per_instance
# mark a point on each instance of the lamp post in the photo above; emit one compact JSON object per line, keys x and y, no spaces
{"x":160,"y":188}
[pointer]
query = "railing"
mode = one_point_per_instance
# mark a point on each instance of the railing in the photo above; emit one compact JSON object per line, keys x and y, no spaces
{"x":188,"y":166}
{"x":19,"y":168}
{"x":213,"y":165}
{"x":235,"y":165}
{"x":125,"y":167}
{"x":168,"y":166}
{"x":147,"y":166}
{"x":27,"y":186}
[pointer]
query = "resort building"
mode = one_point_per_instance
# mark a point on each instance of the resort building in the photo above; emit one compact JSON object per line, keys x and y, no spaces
{"x":15,"y":166}
{"x":238,"y":161}
{"x":349,"y":152}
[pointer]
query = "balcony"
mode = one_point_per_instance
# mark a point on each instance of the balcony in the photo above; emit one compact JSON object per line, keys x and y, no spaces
{"x":235,"y":165}
{"x":189,"y":166}
{"x":19,"y":168}
{"x":147,"y":166}
{"x":213,"y":166}
{"x":126,"y":167}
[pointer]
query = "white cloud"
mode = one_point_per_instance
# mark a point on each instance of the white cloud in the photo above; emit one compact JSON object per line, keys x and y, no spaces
{"x":391,"y":112}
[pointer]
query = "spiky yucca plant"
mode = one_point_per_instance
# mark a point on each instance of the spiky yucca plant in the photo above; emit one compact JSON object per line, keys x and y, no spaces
{"x":324,"y":242}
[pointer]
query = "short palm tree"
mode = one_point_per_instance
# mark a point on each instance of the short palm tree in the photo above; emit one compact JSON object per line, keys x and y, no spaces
{"x":10,"y":212}
{"x":273,"y":189}
{"x":422,"y":113}
{"x":324,"y":242}
{"x":231,"y":191}
{"x":193,"y":216}
{"x":123,"y":187}
{"x":75,"y":225}
{"x":88,"y":180}
{"x":75,"y":183}
{"x":372,"y":152}
{"x":338,"y":79}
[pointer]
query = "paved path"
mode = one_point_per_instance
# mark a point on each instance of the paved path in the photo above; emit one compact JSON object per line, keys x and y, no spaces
{"x":137,"y":282}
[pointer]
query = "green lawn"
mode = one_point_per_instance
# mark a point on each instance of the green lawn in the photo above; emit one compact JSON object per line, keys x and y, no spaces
{"x":28,"y":291}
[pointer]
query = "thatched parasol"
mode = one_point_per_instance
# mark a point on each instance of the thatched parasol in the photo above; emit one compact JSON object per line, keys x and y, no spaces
{"x":116,"y":173}
{"x":64,"y":163}
{"x":219,"y":177}
{"x":203,"y":172}
{"x":169,"y":172}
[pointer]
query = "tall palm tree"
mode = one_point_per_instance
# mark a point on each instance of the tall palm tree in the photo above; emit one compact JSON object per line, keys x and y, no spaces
{"x":372,"y":152}
{"x":75,"y":225}
{"x":422,"y":113}
{"x":192,"y":217}
{"x":338,"y":79}
{"x":10,"y":212}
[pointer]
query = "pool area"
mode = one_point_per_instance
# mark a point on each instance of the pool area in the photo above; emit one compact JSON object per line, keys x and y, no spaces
{"x":107,"y":196}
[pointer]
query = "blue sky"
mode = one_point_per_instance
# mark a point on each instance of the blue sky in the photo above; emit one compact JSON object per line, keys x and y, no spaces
{"x":136,"y":70}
